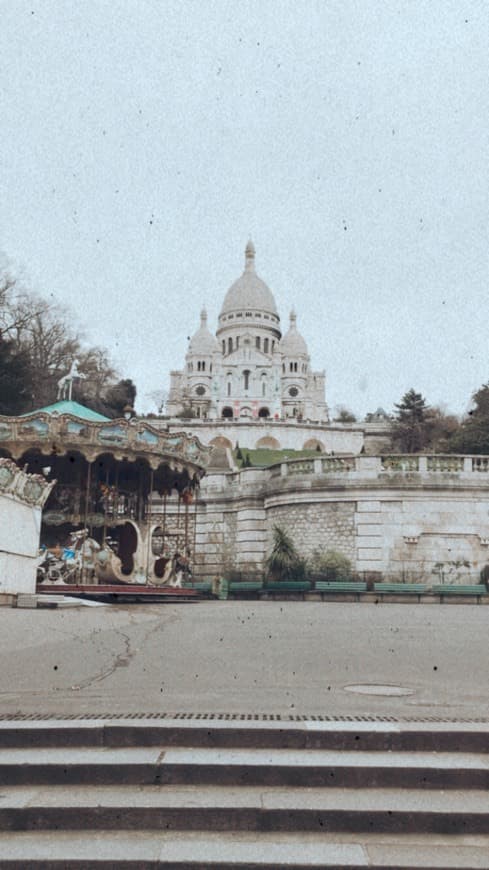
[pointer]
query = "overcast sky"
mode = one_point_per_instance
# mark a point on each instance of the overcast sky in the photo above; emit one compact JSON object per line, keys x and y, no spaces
{"x":143,"y":142}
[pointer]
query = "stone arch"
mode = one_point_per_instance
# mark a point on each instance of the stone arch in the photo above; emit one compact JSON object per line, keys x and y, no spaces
{"x":221,"y":441}
{"x":313,"y":444}
{"x":227,"y":413}
{"x":264,"y":412}
{"x":268,"y":442}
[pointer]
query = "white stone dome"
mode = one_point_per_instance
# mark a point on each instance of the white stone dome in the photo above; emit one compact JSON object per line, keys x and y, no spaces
{"x":293,"y":344}
{"x":249,"y":291}
{"x":203,"y":343}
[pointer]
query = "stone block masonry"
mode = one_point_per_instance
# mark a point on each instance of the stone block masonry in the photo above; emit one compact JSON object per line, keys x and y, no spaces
{"x":316,"y":526}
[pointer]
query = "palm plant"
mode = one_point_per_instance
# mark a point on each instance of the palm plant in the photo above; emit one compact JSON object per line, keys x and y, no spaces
{"x":284,"y":559}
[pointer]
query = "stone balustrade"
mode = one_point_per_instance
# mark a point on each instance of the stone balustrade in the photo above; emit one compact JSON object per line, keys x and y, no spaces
{"x":374,"y":466}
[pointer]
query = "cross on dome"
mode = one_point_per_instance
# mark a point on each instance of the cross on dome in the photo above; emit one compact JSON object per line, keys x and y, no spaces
{"x":250,"y":257}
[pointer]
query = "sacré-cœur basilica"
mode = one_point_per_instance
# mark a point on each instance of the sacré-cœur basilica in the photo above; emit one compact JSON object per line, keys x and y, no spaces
{"x":249,"y":369}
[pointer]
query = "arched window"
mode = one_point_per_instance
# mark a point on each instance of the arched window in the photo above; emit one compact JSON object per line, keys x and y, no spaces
{"x":229,"y":388}
{"x":265,"y":345}
{"x":263,"y":387}
{"x":291,"y":367}
{"x":224,"y":345}
{"x":246,"y":379}
{"x":203,"y":367}
{"x":257,"y":342}
{"x":273,"y":346}
{"x":227,"y":413}
{"x":230,"y":345}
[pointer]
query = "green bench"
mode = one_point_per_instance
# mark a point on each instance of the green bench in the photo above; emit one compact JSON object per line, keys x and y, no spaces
{"x":400,"y":588}
{"x":284,"y":587}
{"x":340,"y":586}
{"x":459,"y":589}
{"x":245,"y":586}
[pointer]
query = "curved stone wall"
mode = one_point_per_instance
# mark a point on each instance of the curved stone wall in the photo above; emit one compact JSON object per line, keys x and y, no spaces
{"x":401,"y":516}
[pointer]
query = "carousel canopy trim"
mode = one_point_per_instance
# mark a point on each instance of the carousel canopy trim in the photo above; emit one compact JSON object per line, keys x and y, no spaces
{"x":132,"y":440}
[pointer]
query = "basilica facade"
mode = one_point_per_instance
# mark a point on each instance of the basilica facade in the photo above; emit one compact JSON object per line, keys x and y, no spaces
{"x":248,"y":369}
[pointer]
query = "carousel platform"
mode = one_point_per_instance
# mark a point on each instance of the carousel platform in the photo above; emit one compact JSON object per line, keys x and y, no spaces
{"x":122,"y":592}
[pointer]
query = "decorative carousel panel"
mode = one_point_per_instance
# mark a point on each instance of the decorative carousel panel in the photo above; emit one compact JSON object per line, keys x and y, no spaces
{"x":77,"y":430}
{"x":36,"y":427}
{"x":147,"y":437}
{"x":5,"y":431}
{"x":112,"y":435}
{"x":7,"y":473}
{"x":33,"y":491}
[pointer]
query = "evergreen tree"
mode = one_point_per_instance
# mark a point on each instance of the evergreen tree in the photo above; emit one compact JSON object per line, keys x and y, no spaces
{"x":412,"y":423}
{"x":473,"y":434}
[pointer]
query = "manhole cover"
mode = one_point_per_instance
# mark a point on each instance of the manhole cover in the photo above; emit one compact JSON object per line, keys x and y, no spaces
{"x":376,"y":689}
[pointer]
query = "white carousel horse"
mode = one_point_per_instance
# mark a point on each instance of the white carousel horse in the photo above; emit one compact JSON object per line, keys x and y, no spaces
{"x":65,"y":384}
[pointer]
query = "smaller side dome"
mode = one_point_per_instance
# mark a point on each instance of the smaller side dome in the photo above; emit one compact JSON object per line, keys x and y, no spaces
{"x":293,"y":343}
{"x":203,"y":342}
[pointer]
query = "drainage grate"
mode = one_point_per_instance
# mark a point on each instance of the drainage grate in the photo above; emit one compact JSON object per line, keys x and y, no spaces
{"x":236,"y":717}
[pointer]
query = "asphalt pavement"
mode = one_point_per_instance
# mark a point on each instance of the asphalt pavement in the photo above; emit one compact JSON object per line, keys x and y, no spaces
{"x":296,"y":658}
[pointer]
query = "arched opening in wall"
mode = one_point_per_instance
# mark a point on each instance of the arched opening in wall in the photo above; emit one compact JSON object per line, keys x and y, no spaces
{"x":221,"y":441}
{"x":128,"y":541}
{"x":264,"y":412}
{"x":230,"y":345}
{"x":268,"y":442}
{"x":314,"y":444}
{"x":246,"y":379}
{"x":227,"y":413}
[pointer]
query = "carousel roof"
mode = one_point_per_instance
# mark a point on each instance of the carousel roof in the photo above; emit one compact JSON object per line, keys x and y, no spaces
{"x":66,"y":406}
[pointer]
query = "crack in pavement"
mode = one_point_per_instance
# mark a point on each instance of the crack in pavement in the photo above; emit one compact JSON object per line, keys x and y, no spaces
{"x":122,"y":659}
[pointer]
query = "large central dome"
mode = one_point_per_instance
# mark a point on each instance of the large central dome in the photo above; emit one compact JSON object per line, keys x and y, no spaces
{"x":249,"y":291}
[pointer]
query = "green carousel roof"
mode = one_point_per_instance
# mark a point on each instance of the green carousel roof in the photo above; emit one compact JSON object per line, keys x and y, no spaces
{"x":66,"y":406}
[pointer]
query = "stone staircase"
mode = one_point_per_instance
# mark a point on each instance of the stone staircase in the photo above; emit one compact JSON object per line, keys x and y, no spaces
{"x":197,"y":792}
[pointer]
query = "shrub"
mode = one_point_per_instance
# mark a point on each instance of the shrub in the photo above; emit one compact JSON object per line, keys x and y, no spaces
{"x":330,"y":565}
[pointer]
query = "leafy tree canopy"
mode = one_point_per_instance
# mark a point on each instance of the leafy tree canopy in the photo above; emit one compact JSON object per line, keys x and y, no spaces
{"x":38,"y":345}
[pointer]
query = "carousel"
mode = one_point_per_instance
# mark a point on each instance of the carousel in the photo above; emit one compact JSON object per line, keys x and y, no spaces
{"x":122,"y":507}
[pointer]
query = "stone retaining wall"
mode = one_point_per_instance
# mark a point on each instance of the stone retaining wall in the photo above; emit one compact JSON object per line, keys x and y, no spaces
{"x":402,"y":517}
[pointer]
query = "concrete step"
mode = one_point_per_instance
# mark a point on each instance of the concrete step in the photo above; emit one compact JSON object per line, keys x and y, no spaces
{"x":139,"y":850}
{"x":214,"y":808}
{"x":216,"y":731}
{"x":239,"y":767}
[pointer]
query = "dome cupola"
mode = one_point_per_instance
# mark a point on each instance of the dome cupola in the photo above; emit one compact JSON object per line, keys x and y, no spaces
{"x":249,"y":298}
{"x":203,"y":343}
{"x":293,"y":344}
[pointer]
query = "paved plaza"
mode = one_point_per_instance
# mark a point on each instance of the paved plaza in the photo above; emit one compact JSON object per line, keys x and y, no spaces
{"x":248,"y":657}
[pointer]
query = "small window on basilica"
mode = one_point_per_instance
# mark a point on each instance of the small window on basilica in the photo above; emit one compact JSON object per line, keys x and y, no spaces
{"x":200,"y":391}
{"x":265,"y":345}
{"x":293,"y":392}
{"x":257,"y":342}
